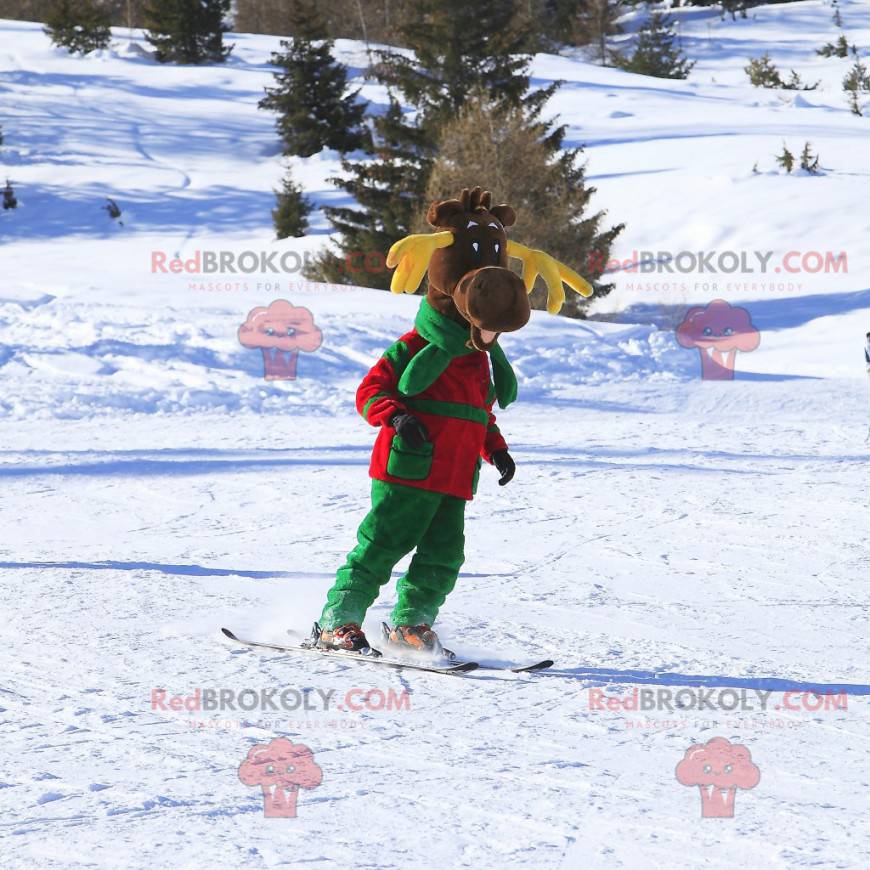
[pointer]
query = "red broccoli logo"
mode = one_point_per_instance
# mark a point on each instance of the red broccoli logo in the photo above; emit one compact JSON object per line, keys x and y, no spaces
{"x":716,"y":329}
{"x":718,"y":767}
{"x":280,"y":332}
{"x":280,"y":768}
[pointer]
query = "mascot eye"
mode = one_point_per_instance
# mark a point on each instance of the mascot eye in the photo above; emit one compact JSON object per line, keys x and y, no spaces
{"x":270,"y":330}
{"x":291,"y":330}
{"x":729,"y":768}
{"x":707,"y":768}
{"x":707,"y":330}
{"x":270,"y":768}
{"x":728,"y":331}
{"x":476,"y":247}
{"x":497,"y":248}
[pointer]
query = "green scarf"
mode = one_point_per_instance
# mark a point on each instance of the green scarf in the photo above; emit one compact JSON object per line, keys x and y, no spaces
{"x":448,"y":340}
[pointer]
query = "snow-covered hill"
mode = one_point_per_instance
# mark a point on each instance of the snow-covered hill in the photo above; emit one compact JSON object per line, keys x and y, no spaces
{"x":662,"y":533}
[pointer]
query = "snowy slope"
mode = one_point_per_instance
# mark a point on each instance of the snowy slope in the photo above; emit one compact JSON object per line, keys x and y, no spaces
{"x":662,"y":532}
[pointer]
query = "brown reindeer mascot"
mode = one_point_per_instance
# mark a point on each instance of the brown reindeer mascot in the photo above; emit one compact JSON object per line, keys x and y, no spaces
{"x":431,"y":395}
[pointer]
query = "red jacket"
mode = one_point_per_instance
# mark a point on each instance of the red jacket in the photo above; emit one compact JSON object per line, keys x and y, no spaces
{"x":456,"y":409}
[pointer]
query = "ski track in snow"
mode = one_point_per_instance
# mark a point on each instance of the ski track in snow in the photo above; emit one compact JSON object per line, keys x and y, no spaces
{"x":661,"y":532}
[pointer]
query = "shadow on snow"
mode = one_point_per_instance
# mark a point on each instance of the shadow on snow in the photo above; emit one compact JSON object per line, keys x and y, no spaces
{"x":605,"y":676}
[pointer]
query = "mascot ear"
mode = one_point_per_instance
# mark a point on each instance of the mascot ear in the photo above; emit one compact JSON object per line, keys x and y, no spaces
{"x":505,"y":214}
{"x":448,"y":214}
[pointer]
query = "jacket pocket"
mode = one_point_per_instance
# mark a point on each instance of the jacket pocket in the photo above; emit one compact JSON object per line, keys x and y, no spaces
{"x":410,"y":463}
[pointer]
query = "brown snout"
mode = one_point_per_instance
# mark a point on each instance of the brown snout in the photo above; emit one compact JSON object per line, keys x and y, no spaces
{"x":493,"y":299}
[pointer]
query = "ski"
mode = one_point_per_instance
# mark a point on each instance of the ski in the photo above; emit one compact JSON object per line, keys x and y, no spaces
{"x":521,"y":669}
{"x":376,"y":658}
{"x":512,"y":669}
{"x":451,"y":657}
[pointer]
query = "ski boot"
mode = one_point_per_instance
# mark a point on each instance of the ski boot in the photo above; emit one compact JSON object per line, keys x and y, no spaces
{"x":417,"y":639}
{"x":345,"y":638}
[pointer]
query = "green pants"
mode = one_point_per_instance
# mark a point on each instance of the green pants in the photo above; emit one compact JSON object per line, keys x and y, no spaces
{"x":401,"y":518}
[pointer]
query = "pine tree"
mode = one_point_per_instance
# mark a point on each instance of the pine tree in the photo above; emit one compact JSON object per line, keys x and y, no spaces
{"x":555,"y":22}
{"x":455,"y":48}
{"x":310,"y":94}
{"x":459,"y":47}
{"x":786,"y":159}
{"x":389,"y":191}
{"x":655,"y":53}
{"x":809,"y":161}
{"x":512,"y":153}
{"x":763,"y":74}
{"x":291,"y":211}
{"x":9,"y":200}
{"x":840,"y":48}
{"x":188,"y":31}
{"x":596,"y":20}
{"x":80,"y":26}
{"x":856,"y":83}
{"x":837,"y":18}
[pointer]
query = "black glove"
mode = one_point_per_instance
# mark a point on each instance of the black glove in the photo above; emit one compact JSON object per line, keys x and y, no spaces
{"x":505,"y":465}
{"x":410,"y":428}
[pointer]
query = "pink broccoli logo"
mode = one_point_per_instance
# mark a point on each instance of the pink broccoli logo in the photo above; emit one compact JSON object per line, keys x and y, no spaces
{"x":718,"y":767}
{"x":280,"y":768}
{"x":716,"y":329}
{"x":280,"y":332}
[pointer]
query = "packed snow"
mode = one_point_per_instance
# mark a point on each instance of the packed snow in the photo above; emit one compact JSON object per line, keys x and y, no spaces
{"x":663,"y":533}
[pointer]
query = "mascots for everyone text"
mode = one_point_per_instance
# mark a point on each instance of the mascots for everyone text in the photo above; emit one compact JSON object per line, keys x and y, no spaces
{"x":431,"y":395}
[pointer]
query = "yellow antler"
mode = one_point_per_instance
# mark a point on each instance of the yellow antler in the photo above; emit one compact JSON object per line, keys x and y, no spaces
{"x":412,"y":255}
{"x":552,"y":271}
